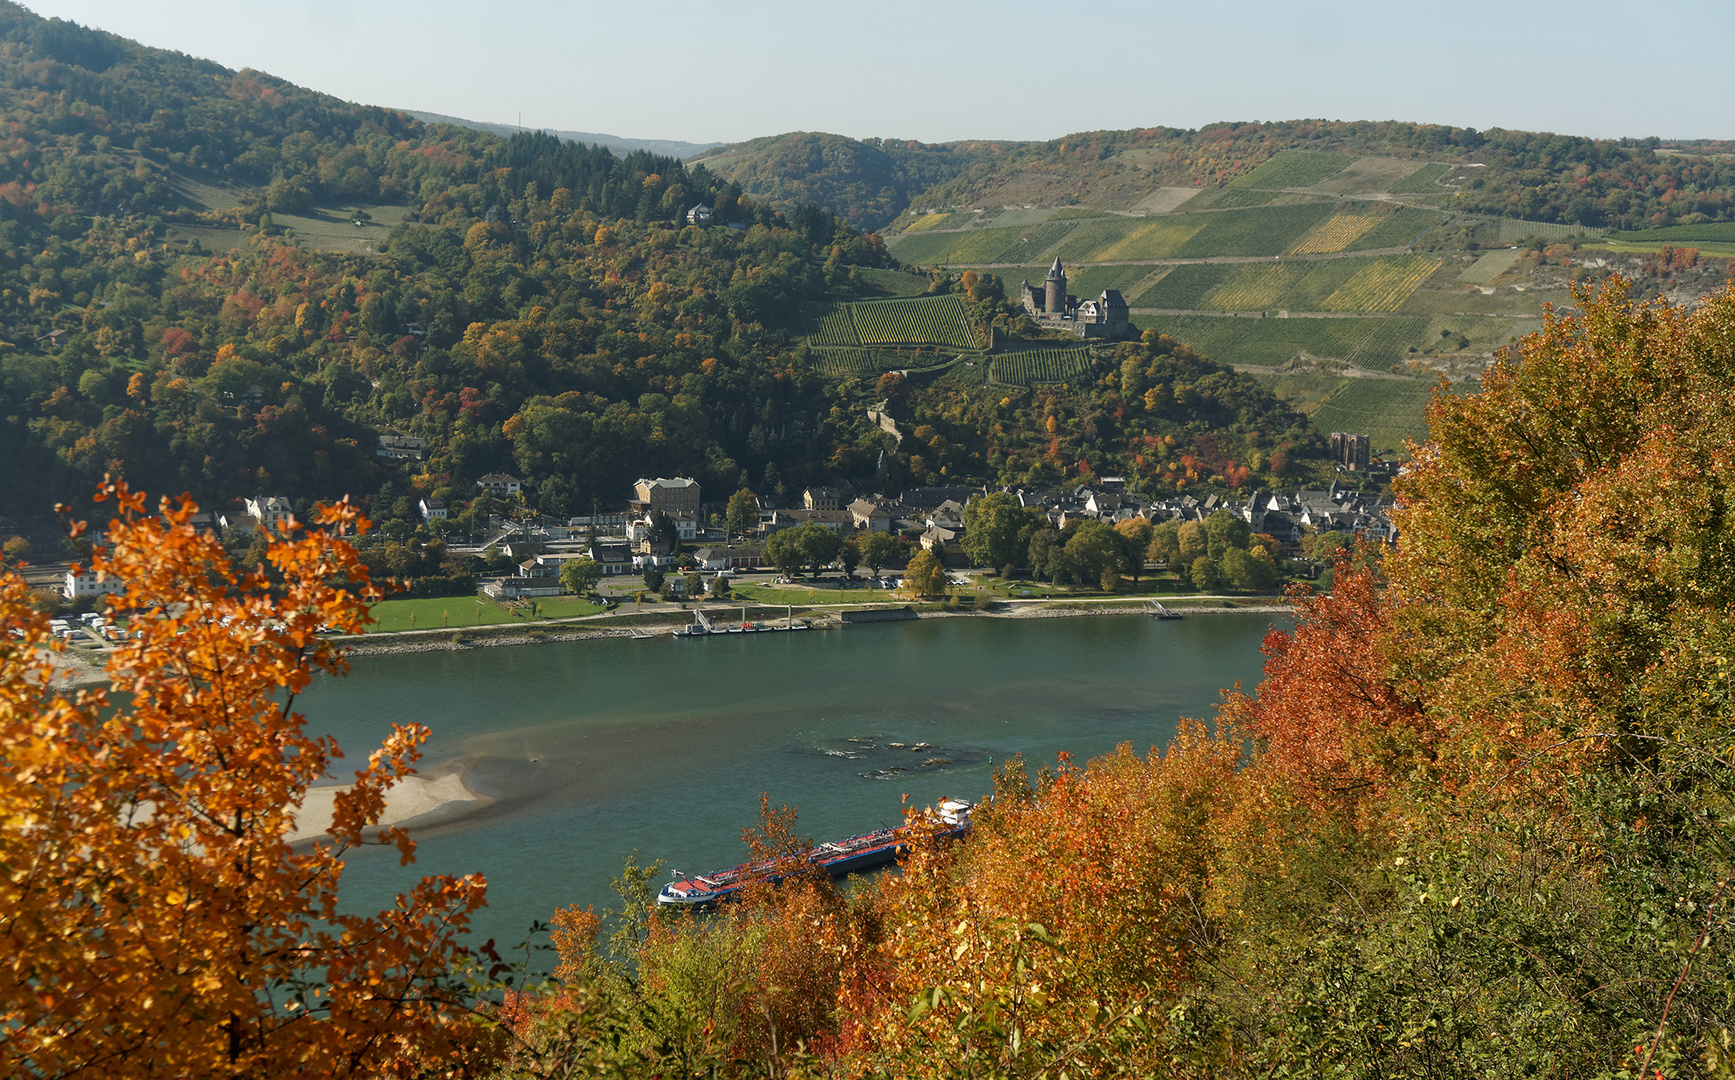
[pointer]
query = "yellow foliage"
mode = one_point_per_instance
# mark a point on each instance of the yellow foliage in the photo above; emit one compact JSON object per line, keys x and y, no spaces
{"x":158,"y":923}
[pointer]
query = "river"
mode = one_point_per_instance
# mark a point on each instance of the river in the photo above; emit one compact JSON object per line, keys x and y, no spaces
{"x":596,"y":749}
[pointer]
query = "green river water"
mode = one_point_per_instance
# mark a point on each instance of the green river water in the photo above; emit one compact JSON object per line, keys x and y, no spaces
{"x":595,"y":749}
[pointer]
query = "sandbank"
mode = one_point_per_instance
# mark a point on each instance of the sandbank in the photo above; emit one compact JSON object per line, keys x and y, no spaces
{"x":411,"y":803}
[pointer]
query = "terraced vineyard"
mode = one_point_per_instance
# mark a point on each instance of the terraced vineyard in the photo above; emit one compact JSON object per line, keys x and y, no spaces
{"x":1262,"y":230}
{"x":1032,"y":366}
{"x":1294,"y":169}
{"x":853,"y":363}
{"x":1383,"y":285}
{"x":1033,"y":241}
{"x":832,"y":325}
{"x":1397,"y":230}
{"x":1130,"y":239}
{"x":1231,"y":198}
{"x":1387,"y":410}
{"x":935,"y":320}
{"x":1369,"y":343}
{"x":1298,"y":286}
{"x":1338,"y":232}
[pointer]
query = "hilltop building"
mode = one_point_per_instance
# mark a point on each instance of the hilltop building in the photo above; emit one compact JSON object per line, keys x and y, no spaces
{"x":1052,"y":307}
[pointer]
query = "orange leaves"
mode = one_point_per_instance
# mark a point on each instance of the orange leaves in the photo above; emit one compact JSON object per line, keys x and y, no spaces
{"x":149,"y":885}
{"x":1327,"y":716}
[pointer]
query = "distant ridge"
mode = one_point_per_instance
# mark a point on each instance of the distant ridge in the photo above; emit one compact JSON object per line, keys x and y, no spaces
{"x":671,"y":147}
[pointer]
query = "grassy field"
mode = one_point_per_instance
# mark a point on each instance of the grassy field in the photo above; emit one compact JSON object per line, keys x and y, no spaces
{"x":936,"y":320}
{"x":877,"y":282}
{"x":330,"y":229}
{"x":458,"y":612}
{"x":1490,"y":266}
{"x":925,"y":222}
{"x":1166,"y":200}
{"x":1030,"y":366}
{"x":1422,"y":181}
{"x":946,"y":248}
{"x":1294,"y":169}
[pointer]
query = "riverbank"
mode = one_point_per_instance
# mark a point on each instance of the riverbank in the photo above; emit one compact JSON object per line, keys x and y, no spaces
{"x":821,"y":616}
{"x":75,"y":669}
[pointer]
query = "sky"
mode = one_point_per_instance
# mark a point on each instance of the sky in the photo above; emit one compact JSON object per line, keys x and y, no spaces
{"x":724,"y":72}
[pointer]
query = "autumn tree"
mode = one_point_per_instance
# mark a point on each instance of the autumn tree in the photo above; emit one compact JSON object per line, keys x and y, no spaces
{"x":925,"y":576}
{"x":157,"y":920}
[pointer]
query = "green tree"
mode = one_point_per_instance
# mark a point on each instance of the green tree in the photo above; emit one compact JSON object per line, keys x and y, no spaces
{"x":694,"y":584}
{"x":1326,"y":546}
{"x":997,"y":529}
{"x":1244,"y":573}
{"x":878,"y":550}
{"x":1043,"y":555}
{"x":849,"y":556}
{"x":1226,"y":531}
{"x":1165,"y":543}
{"x":653,"y":579}
{"x":1190,"y":541}
{"x":1135,"y":535}
{"x":1202,"y":572}
{"x":819,"y":546}
{"x":1094,"y":550}
{"x":783,"y":548}
{"x":742,"y":513}
{"x":580,"y":575}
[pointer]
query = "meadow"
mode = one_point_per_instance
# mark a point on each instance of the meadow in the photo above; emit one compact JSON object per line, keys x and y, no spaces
{"x":1424,"y":181}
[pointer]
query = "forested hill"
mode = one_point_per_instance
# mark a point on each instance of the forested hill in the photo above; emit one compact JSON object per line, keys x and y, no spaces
{"x":1625,"y":184}
{"x":620,"y":145}
{"x":218,"y":282}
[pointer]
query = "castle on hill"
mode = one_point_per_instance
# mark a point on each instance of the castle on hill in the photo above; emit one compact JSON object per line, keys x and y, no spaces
{"x":1050,"y":306}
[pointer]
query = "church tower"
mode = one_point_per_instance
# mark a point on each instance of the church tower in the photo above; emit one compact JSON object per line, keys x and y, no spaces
{"x":1055,"y":300}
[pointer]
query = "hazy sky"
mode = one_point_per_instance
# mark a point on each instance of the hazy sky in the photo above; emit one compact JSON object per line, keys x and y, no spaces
{"x":701,"y":71}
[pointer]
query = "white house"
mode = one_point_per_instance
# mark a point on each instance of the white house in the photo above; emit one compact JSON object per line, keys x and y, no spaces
{"x":86,"y":584}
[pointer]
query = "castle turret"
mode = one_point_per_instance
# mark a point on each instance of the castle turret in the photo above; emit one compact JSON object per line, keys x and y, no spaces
{"x":1055,"y":300}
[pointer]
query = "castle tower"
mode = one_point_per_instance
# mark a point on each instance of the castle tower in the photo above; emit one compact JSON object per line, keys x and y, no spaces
{"x":1055,"y":300}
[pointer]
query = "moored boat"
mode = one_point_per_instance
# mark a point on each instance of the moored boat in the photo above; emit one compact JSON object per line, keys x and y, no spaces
{"x":836,"y":857}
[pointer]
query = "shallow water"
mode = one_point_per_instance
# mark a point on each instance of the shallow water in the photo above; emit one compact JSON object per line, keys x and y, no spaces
{"x":595,"y":749}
